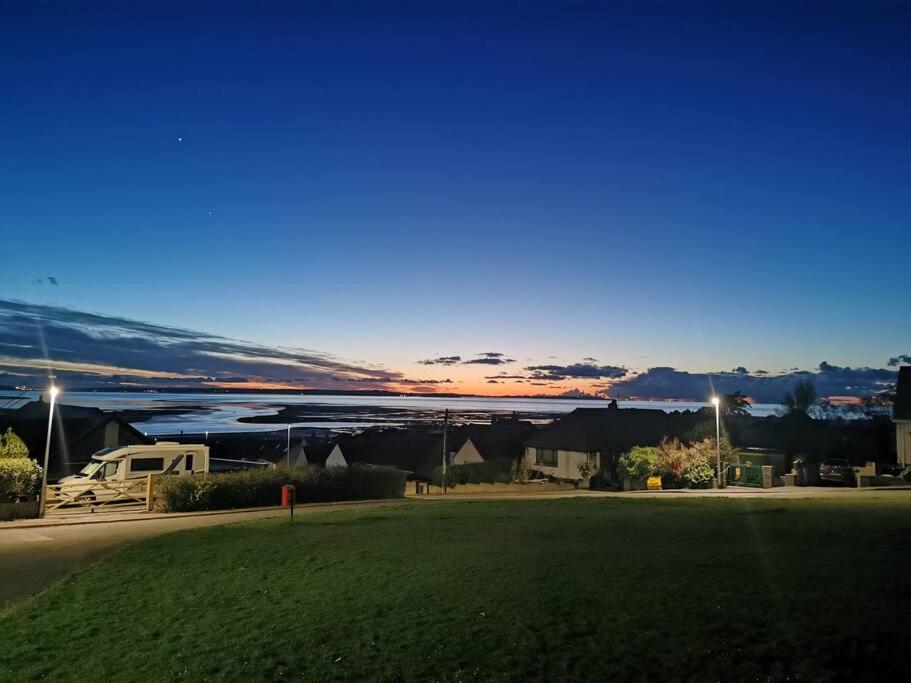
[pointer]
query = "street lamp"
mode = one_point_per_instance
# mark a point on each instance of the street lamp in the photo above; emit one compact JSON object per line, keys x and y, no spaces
{"x":53,"y":391}
{"x":289,"y":446}
{"x":717,"y":403}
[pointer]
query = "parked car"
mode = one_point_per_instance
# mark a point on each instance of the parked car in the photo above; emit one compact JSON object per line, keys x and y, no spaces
{"x":836,"y":471}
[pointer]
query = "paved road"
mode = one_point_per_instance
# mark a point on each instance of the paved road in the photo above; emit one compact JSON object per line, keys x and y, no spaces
{"x":35,"y":553}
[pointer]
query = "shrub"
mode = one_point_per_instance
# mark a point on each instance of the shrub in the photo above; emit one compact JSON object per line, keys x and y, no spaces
{"x":673,"y":459}
{"x":588,"y":468}
{"x":495,"y":471}
{"x":521,"y":469}
{"x":11,"y":446}
{"x":20,"y":479}
{"x":693,"y":465}
{"x":698,"y":475}
{"x":639,"y":464}
{"x":260,"y":488}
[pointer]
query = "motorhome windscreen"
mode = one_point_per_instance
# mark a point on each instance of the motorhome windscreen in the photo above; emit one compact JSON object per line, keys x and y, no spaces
{"x":89,"y":469}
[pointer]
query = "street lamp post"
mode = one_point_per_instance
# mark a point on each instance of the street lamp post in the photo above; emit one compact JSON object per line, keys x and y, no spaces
{"x":47,"y":450}
{"x":445,"y":429}
{"x":717,"y":403}
{"x":289,"y":445}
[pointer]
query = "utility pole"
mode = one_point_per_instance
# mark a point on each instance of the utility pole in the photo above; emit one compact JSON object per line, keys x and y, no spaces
{"x":445,"y":427}
{"x":289,"y":452}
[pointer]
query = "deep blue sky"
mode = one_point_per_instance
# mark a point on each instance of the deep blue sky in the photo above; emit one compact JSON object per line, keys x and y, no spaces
{"x":647,"y":184}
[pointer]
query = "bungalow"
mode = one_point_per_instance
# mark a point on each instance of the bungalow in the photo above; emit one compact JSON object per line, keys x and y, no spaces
{"x":77,"y":433}
{"x":500,"y":439}
{"x":414,"y":450}
{"x":901,"y":416}
{"x":602,"y":434}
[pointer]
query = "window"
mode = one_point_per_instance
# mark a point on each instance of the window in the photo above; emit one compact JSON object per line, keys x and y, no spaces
{"x":106,"y":470}
{"x":189,"y":465}
{"x":546,"y":456}
{"x":146,"y":464}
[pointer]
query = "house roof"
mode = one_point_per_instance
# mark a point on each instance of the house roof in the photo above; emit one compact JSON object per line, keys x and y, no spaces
{"x":501,"y":439}
{"x":396,"y":447}
{"x":414,"y":450}
{"x":612,"y":429}
{"x":901,"y":409}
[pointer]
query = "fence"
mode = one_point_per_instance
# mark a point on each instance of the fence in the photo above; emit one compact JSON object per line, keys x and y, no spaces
{"x":744,"y":475}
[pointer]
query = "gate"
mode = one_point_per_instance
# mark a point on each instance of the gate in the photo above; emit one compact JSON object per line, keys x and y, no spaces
{"x":97,"y":494}
{"x":743,"y":475}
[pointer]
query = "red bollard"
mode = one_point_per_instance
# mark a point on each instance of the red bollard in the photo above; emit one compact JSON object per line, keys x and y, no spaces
{"x":288,"y":496}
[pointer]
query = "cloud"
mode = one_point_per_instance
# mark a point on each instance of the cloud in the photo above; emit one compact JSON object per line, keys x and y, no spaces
{"x":830,"y":380}
{"x":441,"y":360}
{"x":898,"y":360}
{"x":488,"y":360}
{"x":576,"y":371}
{"x":50,"y":280}
{"x":88,"y":349}
{"x":491,"y":354}
{"x":589,"y":359}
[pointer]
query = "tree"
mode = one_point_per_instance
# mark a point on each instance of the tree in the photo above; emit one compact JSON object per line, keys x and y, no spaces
{"x":802,"y":398}
{"x":734,"y":404}
{"x":11,"y":446}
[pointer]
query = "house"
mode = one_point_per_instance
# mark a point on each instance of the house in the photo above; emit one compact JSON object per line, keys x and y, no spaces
{"x":417,"y":451}
{"x":901,"y":416}
{"x":500,"y":439}
{"x":323,"y":453}
{"x":602,"y":434}
{"x":77,"y":434}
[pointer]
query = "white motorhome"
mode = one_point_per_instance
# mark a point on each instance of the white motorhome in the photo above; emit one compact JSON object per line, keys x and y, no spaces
{"x":134,"y":462}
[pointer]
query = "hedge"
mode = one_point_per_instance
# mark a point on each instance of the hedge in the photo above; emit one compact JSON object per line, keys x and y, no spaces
{"x":20,"y":479}
{"x":260,"y":488}
{"x":494,"y":471}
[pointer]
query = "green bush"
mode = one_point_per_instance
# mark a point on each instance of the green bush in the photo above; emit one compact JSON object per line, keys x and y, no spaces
{"x":20,"y":479}
{"x":495,"y":471}
{"x":11,"y":446}
{"x":260,"y":488}
{"x":698,"y":475}
{"x":640,"y":463}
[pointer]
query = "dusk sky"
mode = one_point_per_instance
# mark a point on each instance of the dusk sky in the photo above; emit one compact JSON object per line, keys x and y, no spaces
{"x":561,"y":195}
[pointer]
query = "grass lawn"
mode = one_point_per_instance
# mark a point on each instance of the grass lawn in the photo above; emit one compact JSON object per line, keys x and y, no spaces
{"x":596,"y":589}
